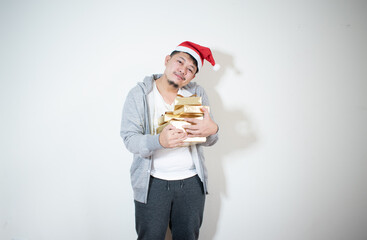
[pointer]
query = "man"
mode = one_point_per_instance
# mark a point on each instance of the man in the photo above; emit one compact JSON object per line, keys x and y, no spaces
{"x":169,"y":179}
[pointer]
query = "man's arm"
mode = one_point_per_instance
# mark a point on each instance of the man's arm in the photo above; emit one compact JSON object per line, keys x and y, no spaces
{"x":133,"y":126}
{"x":206,"y":127}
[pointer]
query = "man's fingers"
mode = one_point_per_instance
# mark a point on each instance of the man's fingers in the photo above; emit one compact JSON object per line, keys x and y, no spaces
{"x":191,"y":127}
{"x":170,"y":127}
{"x":171,"y":130}
{"x":177,"y":142}
{"x":178,"y":130}
{"x":192,"y":120}
{"x":177,"y":133}
{"x":193,"y":134}
{"x":206,"y":112}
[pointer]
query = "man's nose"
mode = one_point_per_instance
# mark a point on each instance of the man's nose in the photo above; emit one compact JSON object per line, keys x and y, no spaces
{"x":183,"y":70}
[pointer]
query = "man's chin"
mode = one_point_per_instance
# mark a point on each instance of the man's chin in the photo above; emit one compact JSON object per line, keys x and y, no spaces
{"x":173,"y":84}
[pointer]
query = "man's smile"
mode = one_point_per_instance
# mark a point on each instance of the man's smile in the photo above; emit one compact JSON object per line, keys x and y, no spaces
{"x":181,"y":77}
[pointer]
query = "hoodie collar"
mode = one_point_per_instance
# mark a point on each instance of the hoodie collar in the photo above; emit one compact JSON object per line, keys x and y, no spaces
{"x":147,"y":84}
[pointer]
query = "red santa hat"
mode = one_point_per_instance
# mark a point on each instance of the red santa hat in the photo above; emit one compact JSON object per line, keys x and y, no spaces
{"x":199,"y":53}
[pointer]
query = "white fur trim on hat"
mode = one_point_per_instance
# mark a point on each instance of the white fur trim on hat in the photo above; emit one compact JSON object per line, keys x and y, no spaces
{"x":192,"y":53}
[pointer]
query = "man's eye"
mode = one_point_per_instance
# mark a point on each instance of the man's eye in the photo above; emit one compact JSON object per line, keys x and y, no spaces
{"x":190,"y":70}
{"x":179,"y":61}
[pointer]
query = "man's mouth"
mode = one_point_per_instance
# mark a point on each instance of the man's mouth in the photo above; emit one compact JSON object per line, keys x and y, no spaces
{"x":180,"y":76}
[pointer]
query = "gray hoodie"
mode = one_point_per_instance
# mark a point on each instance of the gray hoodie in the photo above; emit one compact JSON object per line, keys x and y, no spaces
{"x":135,"y":132}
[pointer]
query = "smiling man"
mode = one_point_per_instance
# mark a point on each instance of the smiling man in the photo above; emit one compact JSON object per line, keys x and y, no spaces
{"x":169,"y":179}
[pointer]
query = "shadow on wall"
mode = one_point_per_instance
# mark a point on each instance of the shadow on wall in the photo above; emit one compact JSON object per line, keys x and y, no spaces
{"x":235,"y":133}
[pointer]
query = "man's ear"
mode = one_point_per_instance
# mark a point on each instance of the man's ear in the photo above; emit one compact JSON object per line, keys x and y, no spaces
{"x":168,"y":57}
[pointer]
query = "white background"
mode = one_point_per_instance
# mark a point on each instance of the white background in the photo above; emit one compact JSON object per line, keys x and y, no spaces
{"x":290,"y":98}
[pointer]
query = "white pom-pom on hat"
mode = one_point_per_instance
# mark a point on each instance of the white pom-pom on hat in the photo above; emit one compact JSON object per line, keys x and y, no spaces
{"x":216,"y":67}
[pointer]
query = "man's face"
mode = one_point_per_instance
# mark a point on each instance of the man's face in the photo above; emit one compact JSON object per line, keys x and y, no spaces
{"x":180,"y":69}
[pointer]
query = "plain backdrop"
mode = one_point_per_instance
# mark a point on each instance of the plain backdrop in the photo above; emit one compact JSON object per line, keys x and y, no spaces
{"x":290,"y":99}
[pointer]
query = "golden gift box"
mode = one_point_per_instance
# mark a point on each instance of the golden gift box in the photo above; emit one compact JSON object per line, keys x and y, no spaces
{"x":168,"y":116}
{"x":192,"y":101}
{"x":188,"y":109}
{"x":185,"y":107}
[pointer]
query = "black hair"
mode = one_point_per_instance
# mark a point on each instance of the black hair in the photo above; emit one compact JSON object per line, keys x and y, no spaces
{"x":191,"y":57}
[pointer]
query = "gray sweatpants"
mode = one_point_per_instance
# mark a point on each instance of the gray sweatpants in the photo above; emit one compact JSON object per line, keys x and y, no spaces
{"x":178,"y":203}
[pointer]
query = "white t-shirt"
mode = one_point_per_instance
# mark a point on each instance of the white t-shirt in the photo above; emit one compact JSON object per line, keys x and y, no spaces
{"x":168,"y":163}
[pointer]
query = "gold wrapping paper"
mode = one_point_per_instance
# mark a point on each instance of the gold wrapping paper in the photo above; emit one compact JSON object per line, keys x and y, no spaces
{"x":193,"y":101}
{"x":187,"y":109}
{"x":165,"y":118}
{"x":168,"y":116}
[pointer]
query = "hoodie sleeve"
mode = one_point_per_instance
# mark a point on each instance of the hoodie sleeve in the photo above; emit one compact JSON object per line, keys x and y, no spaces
{"x":133,"y":125}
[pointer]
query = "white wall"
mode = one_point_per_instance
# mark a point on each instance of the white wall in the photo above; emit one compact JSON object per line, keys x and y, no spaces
{"x":290,"y":99}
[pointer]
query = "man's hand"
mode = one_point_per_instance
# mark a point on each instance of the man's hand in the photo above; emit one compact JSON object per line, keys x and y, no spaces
{"x":201,"y":128}
{"x":171,"y":137}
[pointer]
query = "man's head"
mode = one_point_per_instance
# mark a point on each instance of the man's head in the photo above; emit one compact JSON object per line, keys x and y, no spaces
{"x":185,"y":61}
{"x":191,"y":57}
{"x":180,"y":69}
